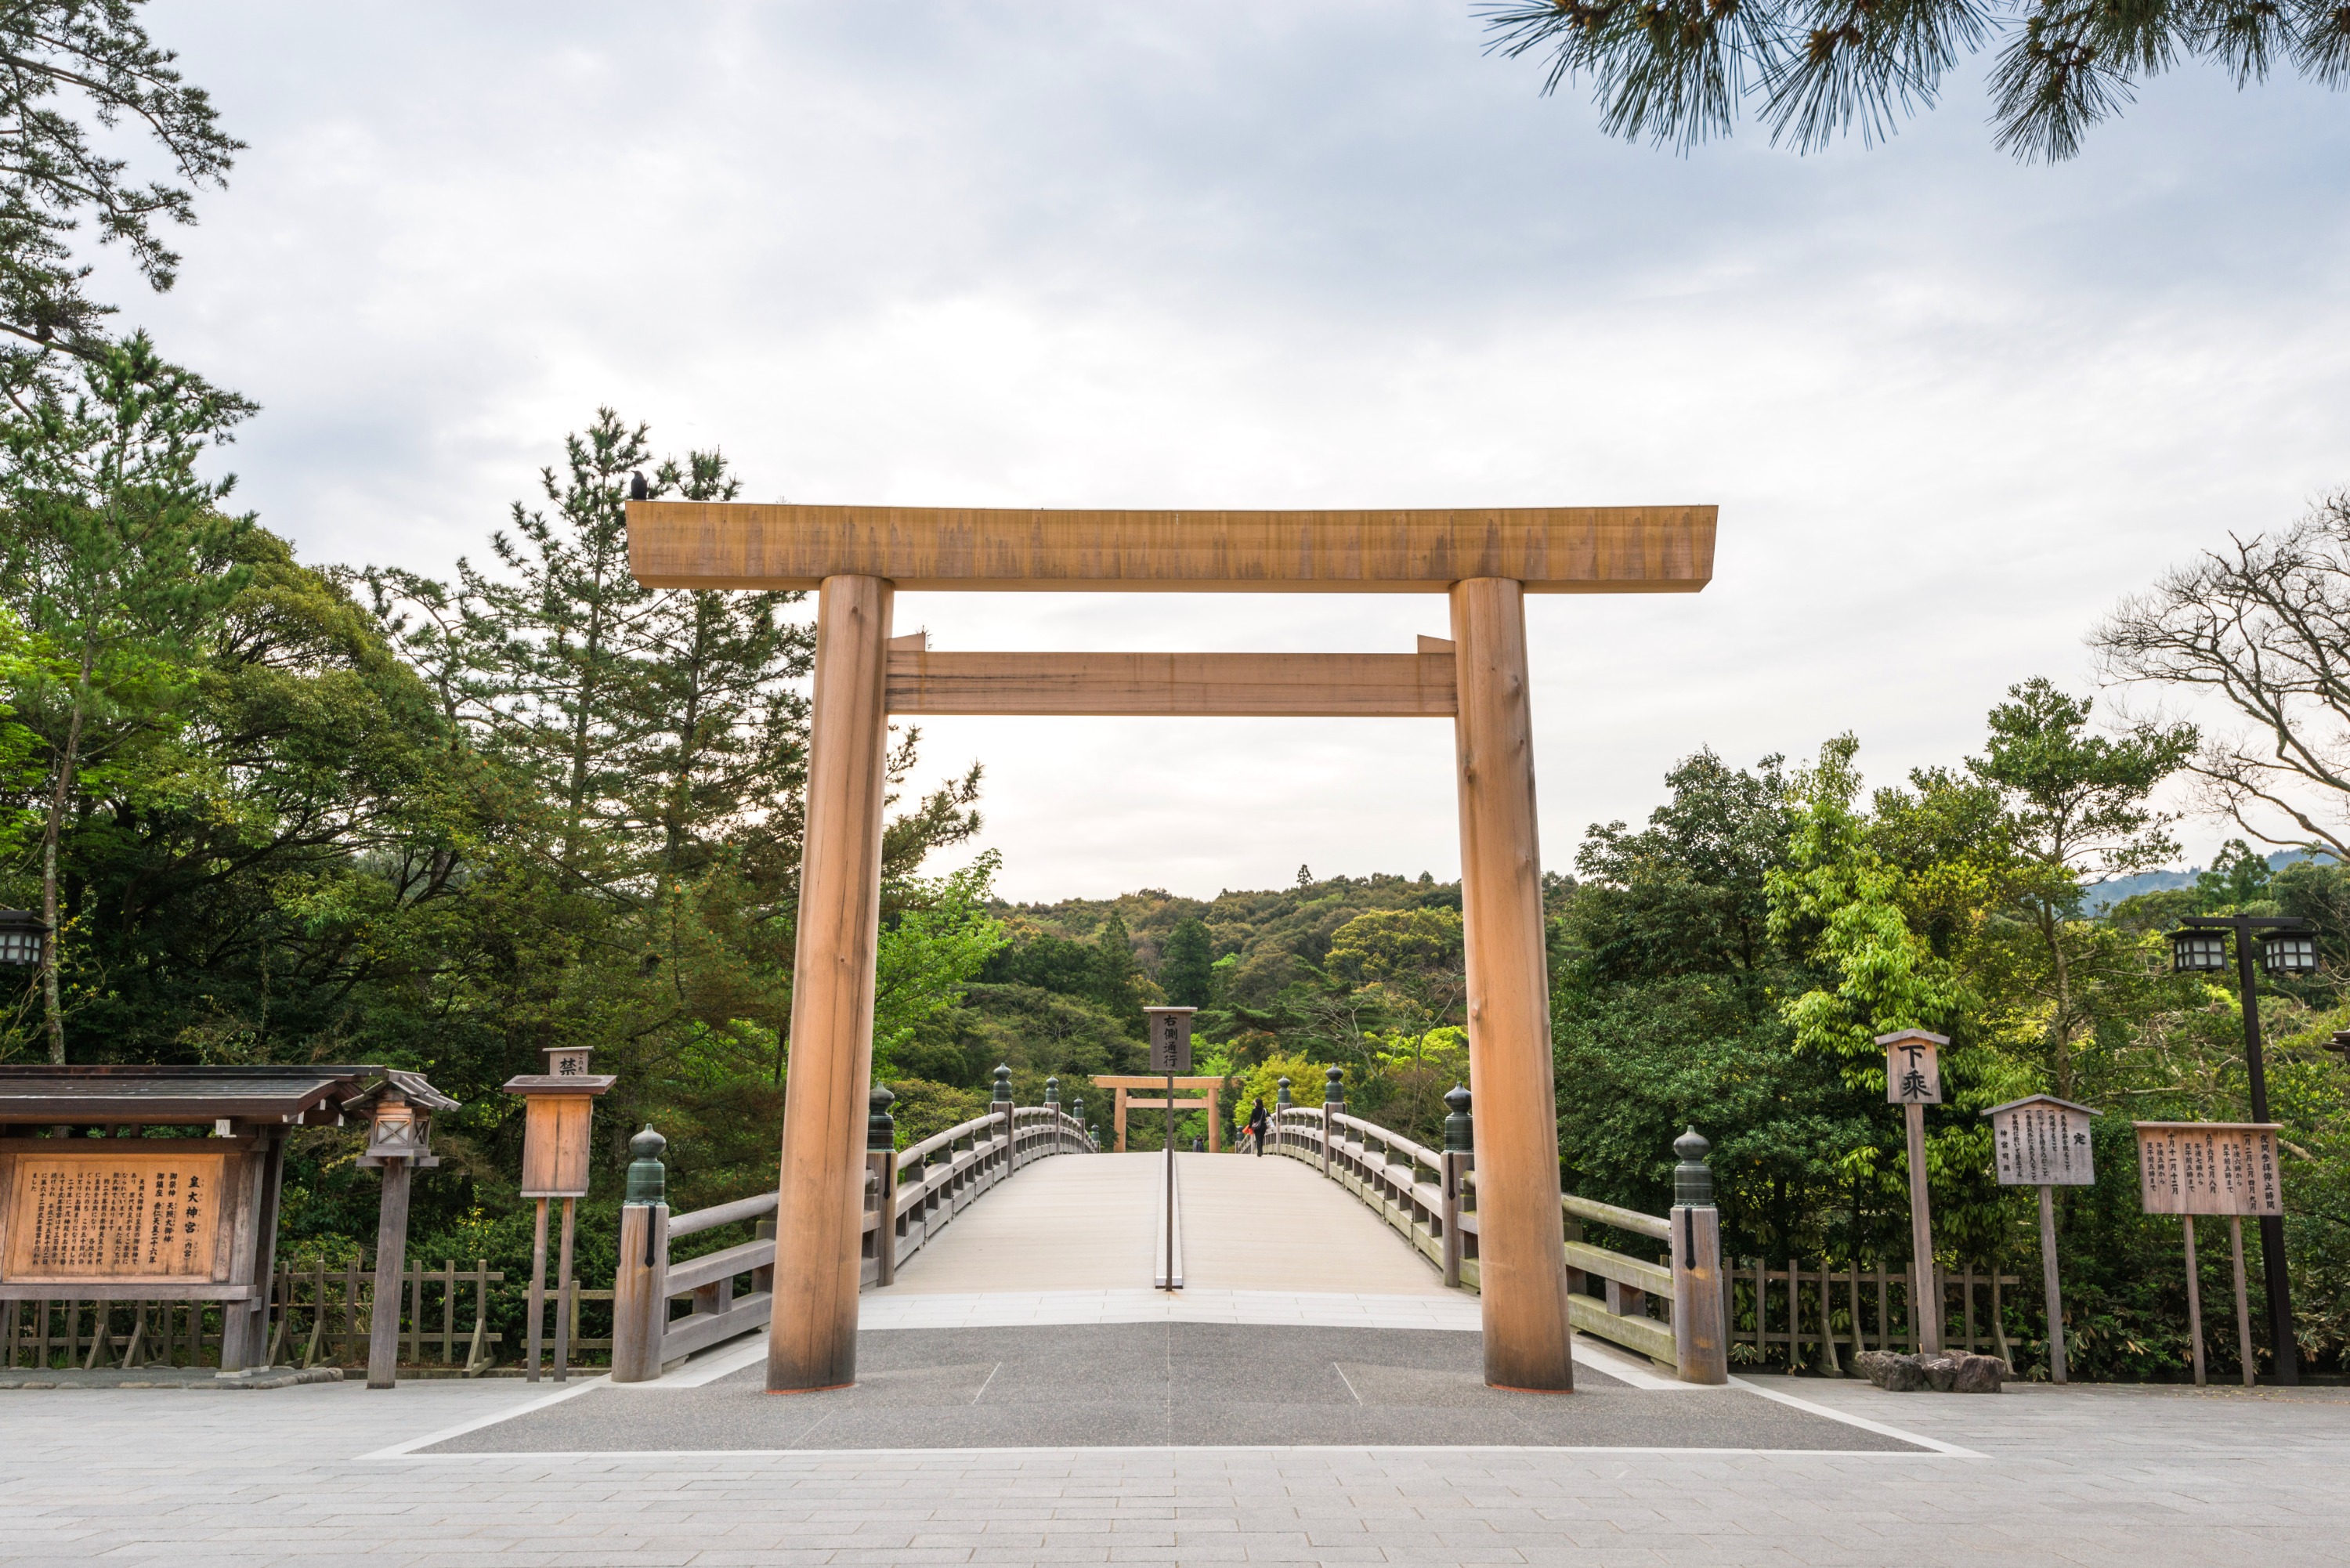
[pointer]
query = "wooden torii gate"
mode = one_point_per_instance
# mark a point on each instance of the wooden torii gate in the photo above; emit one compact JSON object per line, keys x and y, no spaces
{"x":855,"y":557}
{"x":1128,"y":1090}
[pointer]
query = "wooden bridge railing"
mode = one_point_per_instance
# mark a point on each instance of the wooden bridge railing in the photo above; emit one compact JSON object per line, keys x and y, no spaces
{"x":910,"y":1194}
{"x":1429,"y":1196}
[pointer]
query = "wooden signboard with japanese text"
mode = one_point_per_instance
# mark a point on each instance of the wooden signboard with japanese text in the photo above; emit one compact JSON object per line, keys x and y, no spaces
{"x":1171,"y":1038}
{"x":2042,"y":1144}
{"x":2209,"y":1167}
{"x":554,"y":1146}
{"x":106,"y":1218}
{"x":1913,"y":1072}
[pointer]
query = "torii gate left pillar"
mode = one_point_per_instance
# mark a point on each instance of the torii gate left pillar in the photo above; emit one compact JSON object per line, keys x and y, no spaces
{"x":1485,"y":561}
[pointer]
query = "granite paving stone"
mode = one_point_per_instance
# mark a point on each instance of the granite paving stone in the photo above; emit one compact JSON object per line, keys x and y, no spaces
{"x":2086,"y":1477}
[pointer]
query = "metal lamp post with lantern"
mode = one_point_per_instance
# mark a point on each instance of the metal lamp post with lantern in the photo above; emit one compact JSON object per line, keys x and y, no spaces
{"x":2286,"y":946}
{"x":22,"y":937}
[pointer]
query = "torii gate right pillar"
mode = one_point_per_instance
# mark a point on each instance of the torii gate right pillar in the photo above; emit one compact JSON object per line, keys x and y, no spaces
{"x":1521,"y":1288}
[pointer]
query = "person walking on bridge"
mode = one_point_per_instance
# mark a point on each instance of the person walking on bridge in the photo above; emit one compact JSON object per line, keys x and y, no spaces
{"x":1256,"y":1124}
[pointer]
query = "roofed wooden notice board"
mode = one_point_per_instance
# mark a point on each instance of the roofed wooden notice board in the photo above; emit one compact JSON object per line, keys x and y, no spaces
{"x":130,"y":1201}
{"x":97,"y":1215}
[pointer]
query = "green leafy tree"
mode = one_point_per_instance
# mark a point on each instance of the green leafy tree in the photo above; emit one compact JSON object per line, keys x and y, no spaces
{"x":119,"y":563}
{"x":1840,"y":900}
{"x":930,"y":950}
{"x":1683,"y":70}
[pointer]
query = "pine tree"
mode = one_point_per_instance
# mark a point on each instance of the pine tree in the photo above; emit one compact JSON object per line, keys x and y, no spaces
{"x":1117,"y":971}
{"x":1678,"y":70}
{"x":1187,"y":974}
{"x":719,"y":734}
{"x":568,"y":616}
{"x":57,"y":188}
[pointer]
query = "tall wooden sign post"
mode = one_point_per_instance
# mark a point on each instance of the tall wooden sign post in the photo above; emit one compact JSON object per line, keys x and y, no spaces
{"x":2211,"y":1167}
{"x":854,"y":558}
{"x":558,"y":1114}
{"x":1170,"y":1030}
{"x":1913,"y":1080}
{"x":2042,"y":1141}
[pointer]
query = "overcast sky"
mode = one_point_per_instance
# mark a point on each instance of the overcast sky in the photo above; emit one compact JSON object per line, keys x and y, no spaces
{"x":1299,"y":253}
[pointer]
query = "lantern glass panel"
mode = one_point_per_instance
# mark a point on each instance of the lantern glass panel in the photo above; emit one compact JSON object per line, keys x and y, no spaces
{"x":2289,"y":954}
{"x":20,"y":938}
{"x":2198,"y":950}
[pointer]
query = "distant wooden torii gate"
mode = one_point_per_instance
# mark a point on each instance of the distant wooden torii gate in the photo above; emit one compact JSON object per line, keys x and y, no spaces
{"x":1211,"y":1088}
{"x":1485,"y":561}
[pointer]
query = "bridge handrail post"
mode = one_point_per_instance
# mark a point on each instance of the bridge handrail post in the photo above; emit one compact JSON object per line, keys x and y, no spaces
{"x":640,"y":1283}
{"x":1700,"y":1345}
{"x":1002,"y":1107}
{"x":1334,"y":1103}
{"x":1460,"y":1151}
{"x":881,"y":1159}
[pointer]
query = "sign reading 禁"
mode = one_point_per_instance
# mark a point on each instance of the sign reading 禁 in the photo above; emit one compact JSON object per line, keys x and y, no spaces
{"x":2209,"y":1167}
{"x":2042,"y":1142}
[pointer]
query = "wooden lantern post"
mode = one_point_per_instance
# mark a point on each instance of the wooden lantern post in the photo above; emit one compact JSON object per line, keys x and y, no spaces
{"x":1913,"y":1080}
{"x":558,"y":1114}
{"x":400,"y":1138}
{"x":2213,"y":1167}
{"x":2042,"y":1141}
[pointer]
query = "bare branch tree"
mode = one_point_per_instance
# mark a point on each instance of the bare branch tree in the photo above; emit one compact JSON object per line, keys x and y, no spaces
{"x":2265,"y":626}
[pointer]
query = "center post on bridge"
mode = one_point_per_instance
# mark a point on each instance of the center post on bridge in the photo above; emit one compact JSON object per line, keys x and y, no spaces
{"x":1170,"y":1029}
{"x":1485,"y":560}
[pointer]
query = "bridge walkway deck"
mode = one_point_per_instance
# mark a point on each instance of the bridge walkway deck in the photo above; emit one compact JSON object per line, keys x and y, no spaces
{"x":1249,"y":1224}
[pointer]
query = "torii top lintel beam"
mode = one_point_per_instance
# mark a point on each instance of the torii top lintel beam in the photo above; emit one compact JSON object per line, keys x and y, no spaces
{"x":1550,"y":549}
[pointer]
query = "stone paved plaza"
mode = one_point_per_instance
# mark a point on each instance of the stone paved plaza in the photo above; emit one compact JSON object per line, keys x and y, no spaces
{"x":2092,"y":1476}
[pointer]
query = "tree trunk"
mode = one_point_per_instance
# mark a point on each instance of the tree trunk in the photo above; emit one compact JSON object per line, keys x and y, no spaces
{"x":51,"y":1002}
{"x":2060,"y":1044}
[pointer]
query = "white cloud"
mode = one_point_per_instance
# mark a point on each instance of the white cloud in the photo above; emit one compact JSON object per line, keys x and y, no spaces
{"x":1312,"y":254}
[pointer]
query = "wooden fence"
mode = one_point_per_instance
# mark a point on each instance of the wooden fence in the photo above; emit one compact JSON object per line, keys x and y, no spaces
{"x":319,"y":1317}
{"x":1838,"y":1311}
{"x":910,"y":1195}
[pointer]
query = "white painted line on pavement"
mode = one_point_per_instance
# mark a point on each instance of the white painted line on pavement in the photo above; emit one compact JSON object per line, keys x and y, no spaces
{"x":1863,"y":1422}
{"x":402,"y":1450}
{"x":1624,"y":1366}
{"x":1934,"y":1452}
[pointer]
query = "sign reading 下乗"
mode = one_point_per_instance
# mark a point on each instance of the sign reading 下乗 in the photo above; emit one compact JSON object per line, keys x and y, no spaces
{"x":1913,"y":1071}
{"x":2042,"y":1142}
{"x":119,"y":1217}
{"x":2209,"y":1167}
